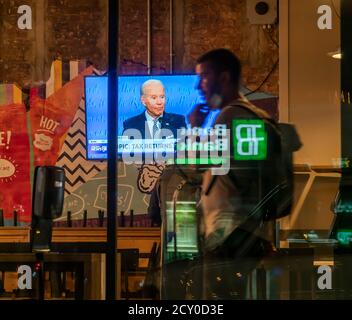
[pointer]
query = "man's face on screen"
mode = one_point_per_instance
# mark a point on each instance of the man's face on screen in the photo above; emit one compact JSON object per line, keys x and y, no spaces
{"x":154,"y":99}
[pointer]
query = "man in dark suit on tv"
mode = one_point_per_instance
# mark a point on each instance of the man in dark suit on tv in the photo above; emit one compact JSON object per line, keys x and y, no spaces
{"x":150,"y":124}
{"x":154,"y":118}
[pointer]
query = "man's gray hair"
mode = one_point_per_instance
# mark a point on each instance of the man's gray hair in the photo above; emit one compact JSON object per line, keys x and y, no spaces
{"x":148,"y":83}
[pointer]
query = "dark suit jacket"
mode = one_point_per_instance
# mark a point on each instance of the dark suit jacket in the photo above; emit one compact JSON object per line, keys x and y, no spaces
{"x":169,"y":121}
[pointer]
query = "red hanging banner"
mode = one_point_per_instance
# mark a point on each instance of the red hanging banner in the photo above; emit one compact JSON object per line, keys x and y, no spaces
{"x":52,"y":118}
{"x":15,"y":187}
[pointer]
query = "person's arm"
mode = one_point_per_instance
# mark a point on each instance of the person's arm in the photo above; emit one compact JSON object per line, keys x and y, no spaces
{"x":197,"y":118}
{"x":198,"y":115}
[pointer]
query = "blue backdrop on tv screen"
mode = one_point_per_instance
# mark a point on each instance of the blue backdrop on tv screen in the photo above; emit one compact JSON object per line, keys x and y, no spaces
{"x":181,"y":97}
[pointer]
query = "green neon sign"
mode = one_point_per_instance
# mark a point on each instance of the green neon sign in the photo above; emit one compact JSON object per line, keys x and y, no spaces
{"x":250,"y":140}
{"x":205,"y":161}
{"x":344,"y":237}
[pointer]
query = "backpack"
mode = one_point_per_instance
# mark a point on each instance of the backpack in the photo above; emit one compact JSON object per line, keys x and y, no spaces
{"x":277,"y":186}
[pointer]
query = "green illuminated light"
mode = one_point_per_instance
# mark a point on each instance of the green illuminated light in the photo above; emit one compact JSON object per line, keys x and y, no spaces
{"x":186,"y":228}
{"x":210,"y":161}
{"x":344,"y":237}
{"x":344,"y":208}
{"x":250,"y":139}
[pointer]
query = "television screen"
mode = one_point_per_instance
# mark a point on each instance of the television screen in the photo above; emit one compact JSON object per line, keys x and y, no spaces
{"x":139,"y":98}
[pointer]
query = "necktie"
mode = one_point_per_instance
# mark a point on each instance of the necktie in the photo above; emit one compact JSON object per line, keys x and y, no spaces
{"x":156,"y":134}
{"x":156,"y":128}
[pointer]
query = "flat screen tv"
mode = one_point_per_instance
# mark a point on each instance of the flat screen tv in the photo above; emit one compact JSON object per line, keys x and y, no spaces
{"x":181,"y":95}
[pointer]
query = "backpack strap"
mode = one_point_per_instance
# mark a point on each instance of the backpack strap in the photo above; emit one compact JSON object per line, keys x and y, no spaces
{"x":251,"y":108}
{"x":261,"y":114}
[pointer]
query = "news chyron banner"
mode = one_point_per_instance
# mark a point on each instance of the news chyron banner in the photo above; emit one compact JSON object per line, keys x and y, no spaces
{"x":51,"y":119}
{"x":15,"y":188}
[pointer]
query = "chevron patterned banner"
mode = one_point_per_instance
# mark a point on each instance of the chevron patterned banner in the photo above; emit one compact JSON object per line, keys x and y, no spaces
{"x":73,"y":155}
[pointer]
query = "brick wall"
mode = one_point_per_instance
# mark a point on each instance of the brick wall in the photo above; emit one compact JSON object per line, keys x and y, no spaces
{"x":133,"y":36}
{"x":77,"y":29}
{"x":161,"y":35}
{"x":16,"y":46}
{"x":206,"y":25}
{"x":73,"y":29}
{"x":223,"y":23}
